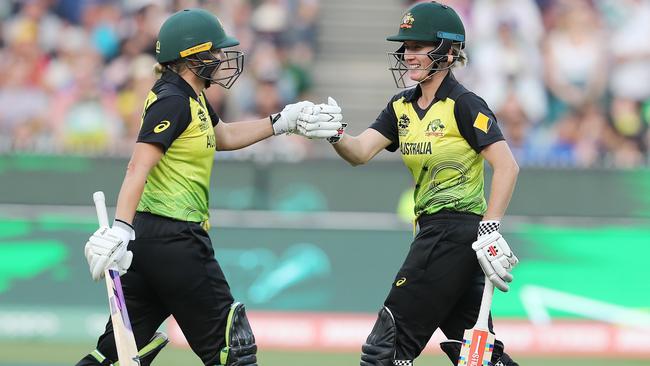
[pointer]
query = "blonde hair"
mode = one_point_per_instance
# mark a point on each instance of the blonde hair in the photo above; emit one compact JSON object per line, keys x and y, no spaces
{"x":159,"y":69}
{"x":461,"y":56}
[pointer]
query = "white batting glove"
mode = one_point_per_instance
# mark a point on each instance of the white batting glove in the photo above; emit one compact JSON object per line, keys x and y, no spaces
{"x":285,"y":121}
{"x":495,"y":256}
{"x":339,"y":133}
{"x":106,"y":249}
{"x":322,"y":121}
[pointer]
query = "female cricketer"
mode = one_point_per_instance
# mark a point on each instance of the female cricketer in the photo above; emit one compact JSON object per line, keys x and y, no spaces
{"x":162,"y":208}
{"x":444,"y":133}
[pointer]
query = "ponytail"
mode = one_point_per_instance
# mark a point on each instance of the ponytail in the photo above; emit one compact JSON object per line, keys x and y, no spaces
{"x":158,"y":70}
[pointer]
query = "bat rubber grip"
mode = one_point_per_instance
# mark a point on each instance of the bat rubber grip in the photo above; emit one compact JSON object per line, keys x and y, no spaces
{"x":100,"y":207}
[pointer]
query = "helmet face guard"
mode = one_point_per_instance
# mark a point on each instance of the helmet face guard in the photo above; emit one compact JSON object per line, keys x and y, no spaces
{"x":217,"y":67}
{"x":399,"y":68}
{"x":196,"y":38}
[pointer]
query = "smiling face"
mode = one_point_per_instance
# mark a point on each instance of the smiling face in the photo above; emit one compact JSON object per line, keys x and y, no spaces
{"x":416,"y":61}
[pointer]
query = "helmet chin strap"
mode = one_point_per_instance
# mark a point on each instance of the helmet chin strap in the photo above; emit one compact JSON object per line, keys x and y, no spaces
{"x":431,"y":71}
{"x":436,"y":57}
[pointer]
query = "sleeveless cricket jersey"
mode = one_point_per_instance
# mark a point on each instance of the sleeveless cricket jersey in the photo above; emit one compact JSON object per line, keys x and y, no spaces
{"x":181,"y":123}
{"x":441,"y":145}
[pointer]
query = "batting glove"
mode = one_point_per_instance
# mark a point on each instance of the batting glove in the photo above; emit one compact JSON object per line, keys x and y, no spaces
{"x":285,"y":121}
{"x":106,"y":249}
{"x":494,"y":255}
{"x":339,"y":133}
{"x":323,"y":121}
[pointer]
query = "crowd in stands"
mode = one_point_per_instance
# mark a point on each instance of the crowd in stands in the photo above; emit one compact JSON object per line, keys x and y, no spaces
{"x":569,"y":80}
{"x":74,"y":74}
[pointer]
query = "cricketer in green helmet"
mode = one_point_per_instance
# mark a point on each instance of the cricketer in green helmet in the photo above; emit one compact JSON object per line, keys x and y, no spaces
{"x":444,"y":133}
{"x":159,"y":240}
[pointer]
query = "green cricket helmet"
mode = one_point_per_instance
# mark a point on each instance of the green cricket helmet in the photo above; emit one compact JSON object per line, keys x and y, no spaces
{"x":197,"y":37}
{"x":429,"y":22}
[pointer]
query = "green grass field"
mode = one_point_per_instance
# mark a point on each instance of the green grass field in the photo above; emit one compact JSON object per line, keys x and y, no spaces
{"x":53,"y":354}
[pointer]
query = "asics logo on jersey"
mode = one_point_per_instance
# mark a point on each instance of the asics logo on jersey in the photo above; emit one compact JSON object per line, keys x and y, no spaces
{"x":161,"y":126}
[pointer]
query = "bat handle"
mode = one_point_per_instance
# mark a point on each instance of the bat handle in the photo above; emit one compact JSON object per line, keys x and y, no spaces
{"x":486,"y":304}
{"x":100,"y":207}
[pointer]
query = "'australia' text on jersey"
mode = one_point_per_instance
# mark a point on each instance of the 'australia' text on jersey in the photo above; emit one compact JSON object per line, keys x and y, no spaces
{"x":415,"y":148}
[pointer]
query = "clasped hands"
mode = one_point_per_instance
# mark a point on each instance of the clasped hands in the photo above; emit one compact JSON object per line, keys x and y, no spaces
{"x":314,"y":121}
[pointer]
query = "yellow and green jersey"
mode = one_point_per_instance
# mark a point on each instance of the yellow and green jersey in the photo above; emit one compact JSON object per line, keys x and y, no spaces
{"x":181,"y":123}
{"x":441,"y":145}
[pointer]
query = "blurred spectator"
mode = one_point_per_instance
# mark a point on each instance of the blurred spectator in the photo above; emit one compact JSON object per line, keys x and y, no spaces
{"x":627,"y":137}
{"x":630,"y":79}
{"x":84,"y":114}
{"x":47,"y":25}
{"x":23,"y":100}
{"x":134,"y":91}
{"x":270,"y":20}
{"x":575,"y":68}
{"x":304,"y":25}
{"x":523,"y":15}
{"x":508,"y":73}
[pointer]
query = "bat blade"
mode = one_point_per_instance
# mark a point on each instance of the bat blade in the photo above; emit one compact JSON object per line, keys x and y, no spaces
{"x":127,"y":350}
{"x":477,"y":348}
{"x":478,"y":342}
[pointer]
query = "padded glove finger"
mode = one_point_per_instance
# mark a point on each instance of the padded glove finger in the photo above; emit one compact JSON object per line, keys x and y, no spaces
{"x":502,"y":271}
{"x":328,"y":109}
{"x":321,"y":117}
{"x":123,"y":265}
{"x":499,"y":283}
{"x":320,"y":134}
{"x":309,"y":126}
{"x":97,"y":266}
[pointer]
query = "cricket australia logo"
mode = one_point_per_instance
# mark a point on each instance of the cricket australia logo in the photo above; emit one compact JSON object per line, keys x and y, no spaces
{"x":435,"y":128}
{"x":403,"y":125}
{"x":407,"y":21}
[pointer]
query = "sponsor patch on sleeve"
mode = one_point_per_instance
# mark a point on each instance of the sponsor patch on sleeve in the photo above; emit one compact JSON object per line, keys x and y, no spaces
{"x":482,"y":122}
{"x":161,"y":126}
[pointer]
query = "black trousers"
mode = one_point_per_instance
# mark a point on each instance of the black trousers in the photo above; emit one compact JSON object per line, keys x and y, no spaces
{"x":440,"y":284}
{"x":174,"y":272}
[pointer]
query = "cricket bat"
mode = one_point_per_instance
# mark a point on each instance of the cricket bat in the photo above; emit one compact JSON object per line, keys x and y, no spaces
{"x":127,"y":351}
{"x":478,"y":342}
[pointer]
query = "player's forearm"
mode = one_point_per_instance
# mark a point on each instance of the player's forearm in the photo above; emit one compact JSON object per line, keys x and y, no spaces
{"x":351,"y":150}
{"x":237,"y":135}
{"x":131,"y":192}
{"x":503,"y":184}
